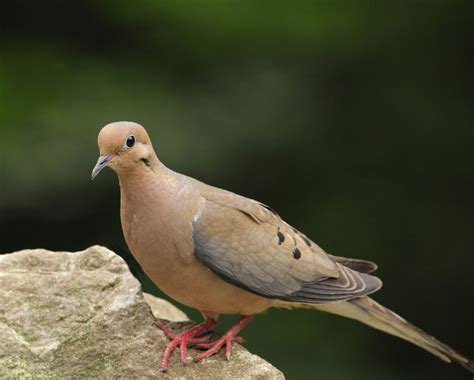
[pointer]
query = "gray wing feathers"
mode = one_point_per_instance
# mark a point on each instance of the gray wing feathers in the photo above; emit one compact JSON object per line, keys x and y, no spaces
{"x":273,"y":278}
{"x":247,"y":276}
{"x":249,"y":245}
{"x":358,"y":265}
{"x":348,"y":286}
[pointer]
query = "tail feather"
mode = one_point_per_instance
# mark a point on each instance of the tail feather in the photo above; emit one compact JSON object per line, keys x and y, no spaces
{"x":363,"y":266}
{"x":367,"y":311}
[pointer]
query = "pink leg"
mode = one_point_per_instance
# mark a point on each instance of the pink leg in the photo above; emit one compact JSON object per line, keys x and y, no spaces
{"x":226,"y":339}
{"x":183,"y":339}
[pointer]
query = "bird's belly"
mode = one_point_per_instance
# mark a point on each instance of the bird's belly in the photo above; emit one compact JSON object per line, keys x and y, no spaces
{"x":186,"y":281}
{"x":196,"y":286}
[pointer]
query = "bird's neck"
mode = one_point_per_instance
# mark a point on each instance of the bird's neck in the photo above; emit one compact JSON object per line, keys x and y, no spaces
{"x":150,"y":179}
{"x":148,"y":196}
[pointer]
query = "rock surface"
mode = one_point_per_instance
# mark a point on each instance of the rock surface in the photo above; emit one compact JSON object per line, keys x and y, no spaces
{"x":83,"y":315}
{"x":162,"y":309}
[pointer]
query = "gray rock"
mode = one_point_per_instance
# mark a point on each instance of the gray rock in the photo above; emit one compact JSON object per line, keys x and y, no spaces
{"x":162,"y":309}
{"x":83,"y":315}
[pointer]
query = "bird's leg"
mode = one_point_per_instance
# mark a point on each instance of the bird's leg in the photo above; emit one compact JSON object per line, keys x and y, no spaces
{"x":183,"y":339}
{"x":226,"y":339}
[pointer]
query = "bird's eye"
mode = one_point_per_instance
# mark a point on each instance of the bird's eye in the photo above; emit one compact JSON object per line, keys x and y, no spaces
{"x":130,"y":142}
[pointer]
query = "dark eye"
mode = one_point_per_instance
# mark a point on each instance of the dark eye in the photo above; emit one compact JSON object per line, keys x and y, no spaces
{"x":130,"y":141}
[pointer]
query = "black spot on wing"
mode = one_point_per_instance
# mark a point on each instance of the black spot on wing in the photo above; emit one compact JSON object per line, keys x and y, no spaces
{"x":306,"y":240}
{"x":281,"y":237}
{"x":211,"y":255}
{"x":296,"y":253}
{"x":348,"y":285}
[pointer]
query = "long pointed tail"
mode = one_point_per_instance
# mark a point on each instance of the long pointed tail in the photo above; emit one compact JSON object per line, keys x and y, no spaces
{"x":367,"y":311}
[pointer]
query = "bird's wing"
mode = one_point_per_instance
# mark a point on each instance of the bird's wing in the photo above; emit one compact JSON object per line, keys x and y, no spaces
{"x":363,"y":266}
{"x":249,"y":245}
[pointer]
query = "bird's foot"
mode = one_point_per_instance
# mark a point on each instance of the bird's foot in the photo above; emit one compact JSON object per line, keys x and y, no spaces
{"x":215,"y":346}
{"x":184,"y":339}
{"x":227,"y":339}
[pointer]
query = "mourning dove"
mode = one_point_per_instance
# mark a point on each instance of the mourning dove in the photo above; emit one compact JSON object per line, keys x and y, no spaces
{"x":222,"y":253}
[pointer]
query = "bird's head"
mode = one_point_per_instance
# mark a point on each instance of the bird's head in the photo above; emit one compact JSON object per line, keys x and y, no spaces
{"x":123,"y":145}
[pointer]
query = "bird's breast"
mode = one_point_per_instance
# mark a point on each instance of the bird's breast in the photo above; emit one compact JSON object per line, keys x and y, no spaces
{"x":153,"y":232}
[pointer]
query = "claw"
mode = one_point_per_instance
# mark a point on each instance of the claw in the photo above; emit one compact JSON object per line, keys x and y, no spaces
{"x":194,"y":335}
{"x":228,"y":348}
{"x":214,"y":348}
{"x":227,"y":339}
{"x":163,"y":327}
{"x":207,"y":344}
{"x":183,"y":339}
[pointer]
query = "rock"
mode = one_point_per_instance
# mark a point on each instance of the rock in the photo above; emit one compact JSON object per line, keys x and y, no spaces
{"x":83,"y":315}
{"x":162,"y":309}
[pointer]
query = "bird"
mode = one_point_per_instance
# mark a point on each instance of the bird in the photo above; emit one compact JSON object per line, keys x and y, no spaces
{"x":222,"y":253}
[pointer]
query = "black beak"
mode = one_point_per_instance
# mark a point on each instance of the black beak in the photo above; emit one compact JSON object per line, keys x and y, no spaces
{"x":102,"y":162}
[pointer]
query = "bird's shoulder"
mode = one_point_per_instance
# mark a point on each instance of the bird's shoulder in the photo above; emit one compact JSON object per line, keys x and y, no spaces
{"x":225,"y":199}
{"x":256,"y":232}
{"x":249,"y":245}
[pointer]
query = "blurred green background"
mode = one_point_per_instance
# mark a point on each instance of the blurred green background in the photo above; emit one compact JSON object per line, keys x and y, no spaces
{"x":354,"y":120}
